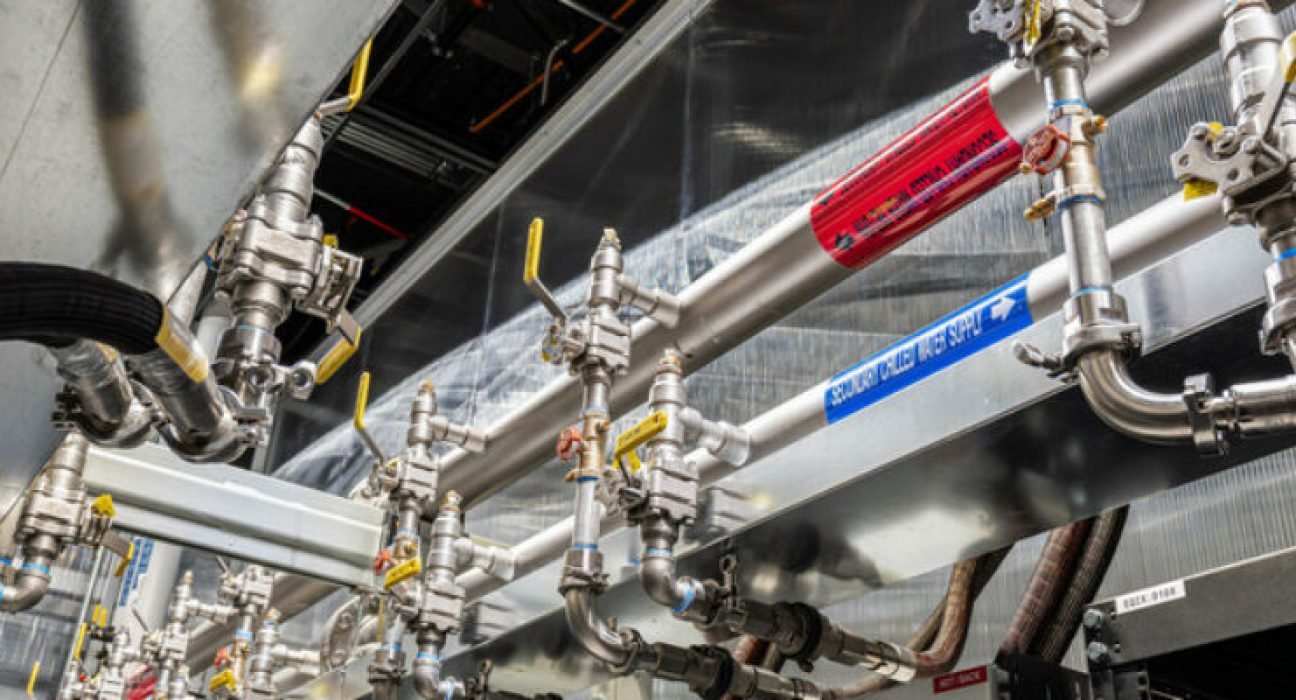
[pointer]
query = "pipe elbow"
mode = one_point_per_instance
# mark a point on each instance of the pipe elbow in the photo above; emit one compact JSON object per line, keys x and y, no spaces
{"x":595,"y":636}
{"x":1129,"y":408}
{"x":28,"y":588}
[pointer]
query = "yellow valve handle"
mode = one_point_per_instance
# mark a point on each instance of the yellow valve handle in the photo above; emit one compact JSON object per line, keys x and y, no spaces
{"x":189,"y":359}
{"x":330,"y":240}
{"x":126,"y":560}
{"x":1034,"y":23}
{"x":80,"y":640}
{"x":632,"y":439}
{"x":1287,"y":58}
{"x":359,"y":72}
{"x":31,"y":680}
{"x":103,"y":505}
{"x":535,"y":239}
{"x":362,"y":402}
{"x":223,"y":680}
{"x":402,"y":572}
{"x":337,"y":356}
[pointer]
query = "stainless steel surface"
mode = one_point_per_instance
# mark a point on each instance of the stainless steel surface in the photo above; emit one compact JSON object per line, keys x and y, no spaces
{"x":237,"y":513}
{"x":1138,"y":243}
{"x":972,"y":475}
{"x":771,"y":277}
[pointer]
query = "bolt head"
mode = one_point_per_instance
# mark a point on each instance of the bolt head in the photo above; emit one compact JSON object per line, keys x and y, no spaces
{"x":1094,"y":619}
{"x":1098,"y":653}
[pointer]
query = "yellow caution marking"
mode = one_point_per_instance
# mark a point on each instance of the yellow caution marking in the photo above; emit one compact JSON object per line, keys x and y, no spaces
{"x":402,"y":572}
{"x":31,"y":680}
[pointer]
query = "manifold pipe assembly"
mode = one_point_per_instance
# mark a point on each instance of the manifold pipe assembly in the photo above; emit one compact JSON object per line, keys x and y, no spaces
{"x":740,"y":296}
{"x":1141,"y":241}
{"x":58,"y":306}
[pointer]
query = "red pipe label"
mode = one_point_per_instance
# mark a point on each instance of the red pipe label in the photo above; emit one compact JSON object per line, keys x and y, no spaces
{"x":948,"y":160}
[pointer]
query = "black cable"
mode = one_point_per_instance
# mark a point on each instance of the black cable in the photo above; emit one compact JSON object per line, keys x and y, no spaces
{"x":55,"y":304}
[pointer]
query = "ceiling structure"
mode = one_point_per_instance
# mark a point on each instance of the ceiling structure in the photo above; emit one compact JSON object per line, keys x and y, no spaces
{"x":454,"y":86}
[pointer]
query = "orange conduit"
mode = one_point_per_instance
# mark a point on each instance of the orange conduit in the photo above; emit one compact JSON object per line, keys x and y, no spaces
{"x":557,"y":66}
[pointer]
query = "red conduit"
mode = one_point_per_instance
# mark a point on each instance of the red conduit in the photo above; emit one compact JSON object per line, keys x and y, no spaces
{"x":949,"y":159}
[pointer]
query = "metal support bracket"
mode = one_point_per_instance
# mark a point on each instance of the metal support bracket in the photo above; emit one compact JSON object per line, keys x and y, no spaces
{"x":240,"y":514}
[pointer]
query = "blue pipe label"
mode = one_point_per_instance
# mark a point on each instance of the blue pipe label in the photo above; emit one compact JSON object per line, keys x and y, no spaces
{"x":959,"y":335}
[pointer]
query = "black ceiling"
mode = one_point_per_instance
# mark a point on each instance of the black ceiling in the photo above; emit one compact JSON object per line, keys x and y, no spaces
{"x":454,"y":87}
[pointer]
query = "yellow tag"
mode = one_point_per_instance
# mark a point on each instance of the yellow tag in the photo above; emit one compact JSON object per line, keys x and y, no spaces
{"x":647,"y":429}
{"x":193,"y":364}
{"x":100,"y":616}
{"x":31,"y":682}
{"x":535,"y":238}
{"x":403,"y":571}
{"x":330,"y":240}
{"x":225,"y":679}
{"x":1196,"y":189}
{"x":126,"y":560}
{"x":103,"y":505}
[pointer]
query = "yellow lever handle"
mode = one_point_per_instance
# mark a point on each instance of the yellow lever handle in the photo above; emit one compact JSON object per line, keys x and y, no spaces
{"x":632,"y":439}
{"x":359,"y":72}
{"x":337,"y":356}
{"x":362,"y":402}
{"x":535,"y":239}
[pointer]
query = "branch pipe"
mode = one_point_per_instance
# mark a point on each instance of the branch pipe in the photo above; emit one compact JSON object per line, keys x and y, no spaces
{"x":742,"y":295}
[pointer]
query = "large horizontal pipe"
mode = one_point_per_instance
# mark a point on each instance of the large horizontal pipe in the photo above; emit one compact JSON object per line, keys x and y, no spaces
{"x":949,"y":160}
{"x":786,"y":267}
{"x":1136,"y":244}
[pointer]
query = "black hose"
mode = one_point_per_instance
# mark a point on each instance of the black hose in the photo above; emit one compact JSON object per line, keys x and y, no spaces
{"x":1095,"y":559}
{"x":56,"y":304}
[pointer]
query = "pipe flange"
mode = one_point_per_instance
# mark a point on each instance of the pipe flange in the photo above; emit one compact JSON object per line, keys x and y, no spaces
{"x":1199,"y":394}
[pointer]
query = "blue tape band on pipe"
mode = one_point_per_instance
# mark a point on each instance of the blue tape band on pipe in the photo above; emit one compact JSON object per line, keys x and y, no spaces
{"x":688,"y":600}
{"x":946,"y":342}
{"x":590,"y":547}
{"x":389,"y":647}
{"x":1068,"y":102}
{"x":1080,"y":199}
{"x":428,"y":655}
{"x":6,"y":561}
{"x":1089,"y":290}
{"x":659,"y":552}
{"x":38,"y":568}
{"x":1290,"y":253}
{"x":586,"y":479}
{"x":242,"y":634}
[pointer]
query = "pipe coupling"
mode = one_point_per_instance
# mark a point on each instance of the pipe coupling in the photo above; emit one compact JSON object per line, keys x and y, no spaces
{"x":1097,"y":319}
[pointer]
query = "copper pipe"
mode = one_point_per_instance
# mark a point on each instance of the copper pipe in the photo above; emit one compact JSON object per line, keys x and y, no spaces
{"x":543,"y":79}
{"x":1044,"y":591}
{"x":749,"y":650}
